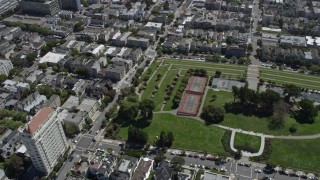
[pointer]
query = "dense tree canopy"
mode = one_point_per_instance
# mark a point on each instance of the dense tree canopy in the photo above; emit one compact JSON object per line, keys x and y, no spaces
{"x":212,"y":114}
{"x":146,"y":107}
{"x":165,"y":139}
{"x":307,"y":112}
{"x":13,"y":166}
{"x":290,"y":91}
{"x":137,"y":136}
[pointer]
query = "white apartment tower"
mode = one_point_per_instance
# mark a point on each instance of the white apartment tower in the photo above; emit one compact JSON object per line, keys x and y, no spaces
{"x":44,"y":139}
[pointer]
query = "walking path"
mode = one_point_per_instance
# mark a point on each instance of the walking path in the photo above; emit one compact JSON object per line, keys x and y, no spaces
{"x":253,"y":76}
{"x":245,"y":153}
{"x":202,"y":102}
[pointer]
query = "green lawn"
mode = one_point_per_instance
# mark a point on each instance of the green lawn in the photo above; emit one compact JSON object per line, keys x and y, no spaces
{"x":233,"y":71}
{"x":153,"y":82}
{"x":297,"y":154}
{"x":169,"y":103}
{"x":221,"y":97}
{"x":286,"y":77}
{"x":241,"y":140}
{"x":159,"y":97}
{"x":207,"y":64}
{"x":152,"y":68}
{"x":188,"y":133}
{"x":257,"y":124}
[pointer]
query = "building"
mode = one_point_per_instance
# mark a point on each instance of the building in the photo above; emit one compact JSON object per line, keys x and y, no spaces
{"x":89,"y":106}
{"x":31,"y":102}
{"x":153,"y":26}
{"x":115,"y":72}
{"x":53,"y":58}
{"x":142,"y":171}
{"x":142,"y":43}
{"x":70,"y":5}
{"x":7,"y":5}
{"x":5,"y":67}
{"x":39,"y":7}
{"x":44,"y":139}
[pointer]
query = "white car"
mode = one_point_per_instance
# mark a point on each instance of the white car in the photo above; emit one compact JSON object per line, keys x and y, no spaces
{"x":257,"y":170}
{"x":75,"y":141}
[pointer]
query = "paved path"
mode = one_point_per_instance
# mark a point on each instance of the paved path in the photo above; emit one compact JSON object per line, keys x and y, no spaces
{"x":253,"y":76}
{"x":203,"y":100}
{"x":245,"y":153}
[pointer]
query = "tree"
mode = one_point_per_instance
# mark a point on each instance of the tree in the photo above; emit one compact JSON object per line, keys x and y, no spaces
{"x":159,"y":157}
{"x":307,"y":112}
{"x":268,"y":98}
{"x":279,"y":113}
{"x":136,"y":135}
{"x":212,"y":114}
{"x":70,"y":129}
{"x":177,"y":162}
{"x":170,"y":16}
{"x":166,"y":5}
{"x":259,"y":28}
{"x":78,"y":26}
{"x":249,"y":48}
{"x":217,"y":74}
{"x":165,"y":139}
{"x":13,"y":166}
{"x":3,"y":77}
{"x":158,"y":76}
{"x":31,"y":57}
{"x":291,"y":90}
{"x":88,"y":121}
{"x":146,"y":107}
{"x":42,"y":66}
{"x":128,"y":110}
{"x":82,"y":71}
{"x":229,"y":40}
{"x":303,"y":69}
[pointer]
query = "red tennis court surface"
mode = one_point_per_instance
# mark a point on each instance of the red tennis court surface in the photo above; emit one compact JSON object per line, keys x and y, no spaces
{"x":196,"y":85}
{"x":189,"y":104}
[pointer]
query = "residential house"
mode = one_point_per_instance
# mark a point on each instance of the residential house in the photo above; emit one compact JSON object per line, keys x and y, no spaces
{"x":236,"y":51}
{"x":5,"y":67}
{"x":89,"y":106}
{"x":163,"y":171}
{"x":142,"y":43}
{"x":54,"y":102}
{"x":143,"y":169}
{"x":33,"y":101}
{"x":125,"y":168}
{"x":97,"y":89}
{"x":79,"y":87}
{"x":185,"y":45}
{"x":115,"y":72}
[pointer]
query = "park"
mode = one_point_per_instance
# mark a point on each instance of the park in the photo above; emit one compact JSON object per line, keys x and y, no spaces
{"x":167,"y":79}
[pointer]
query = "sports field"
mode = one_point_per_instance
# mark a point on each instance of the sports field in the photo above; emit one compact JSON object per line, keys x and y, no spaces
{"x":189,"y":104}
{"x":289,"y":77}
{"x":196,"y":84}
{"x":232,"y":71}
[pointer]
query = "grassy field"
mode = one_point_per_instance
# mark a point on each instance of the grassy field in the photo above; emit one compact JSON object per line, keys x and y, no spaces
{"x":241,"y":140}
{"x":257,"y":124}
{"x":169,"y":103}
{"x":233,"y":71}
{"x":152,"y":68}
{"x":153,"y":82}
{"x":188,"y":133}
{"x":159,"y":96}
{"x":287,"y":77}
{"x":297,"y":154}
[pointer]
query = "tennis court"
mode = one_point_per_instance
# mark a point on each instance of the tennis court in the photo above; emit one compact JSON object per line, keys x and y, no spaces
{"x":196,"y":85}
{"x":189,"y":104}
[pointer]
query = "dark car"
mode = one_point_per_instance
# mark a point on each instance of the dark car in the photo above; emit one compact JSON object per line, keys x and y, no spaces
{"x":94,"y":140}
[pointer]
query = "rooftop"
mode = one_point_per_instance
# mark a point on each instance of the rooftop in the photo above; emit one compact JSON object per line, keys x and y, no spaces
{"x":51,"y":57}
{"x":38,"y":119}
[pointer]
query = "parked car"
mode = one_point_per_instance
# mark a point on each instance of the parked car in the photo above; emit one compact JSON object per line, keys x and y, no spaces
{"x":241,"y":164}
{"x":257,"y":170}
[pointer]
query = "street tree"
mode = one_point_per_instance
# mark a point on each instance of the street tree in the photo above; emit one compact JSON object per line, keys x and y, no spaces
{"x":13,"y":166}
{"x":177,"y":162}
{"x":128,"y":110}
